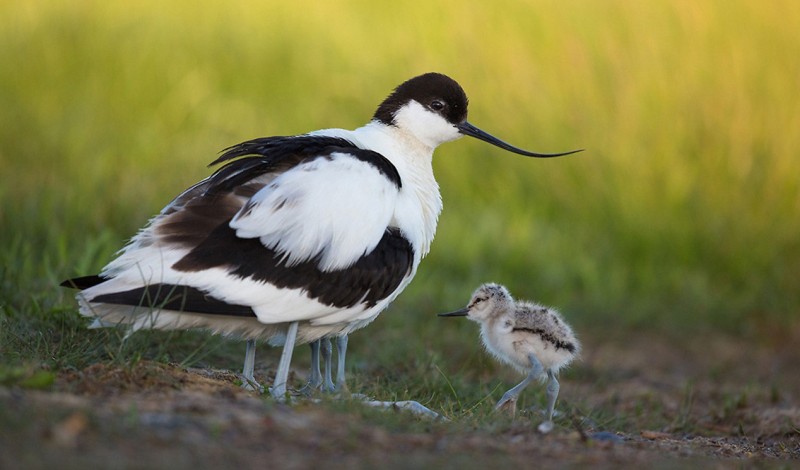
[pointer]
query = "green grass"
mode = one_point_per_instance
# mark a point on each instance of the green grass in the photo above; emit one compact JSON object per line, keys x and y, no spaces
{"x":683,"y":214}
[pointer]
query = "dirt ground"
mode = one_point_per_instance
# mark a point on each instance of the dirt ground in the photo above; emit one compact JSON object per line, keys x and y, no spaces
{"x":643,"y":401}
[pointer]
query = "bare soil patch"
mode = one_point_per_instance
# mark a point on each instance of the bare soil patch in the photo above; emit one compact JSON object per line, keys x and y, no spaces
{"x":640,"y":402}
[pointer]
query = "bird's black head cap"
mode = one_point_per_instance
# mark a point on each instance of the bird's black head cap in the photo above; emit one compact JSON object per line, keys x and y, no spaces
{"x":435,"y":91}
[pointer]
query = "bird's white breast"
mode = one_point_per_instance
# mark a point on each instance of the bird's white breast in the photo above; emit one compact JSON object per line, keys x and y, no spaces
{"x":496,"y":338}
{"x":419,"y":202}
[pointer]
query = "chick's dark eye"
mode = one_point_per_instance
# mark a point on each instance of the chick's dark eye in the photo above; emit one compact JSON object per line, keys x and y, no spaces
{"x":437,"y":105}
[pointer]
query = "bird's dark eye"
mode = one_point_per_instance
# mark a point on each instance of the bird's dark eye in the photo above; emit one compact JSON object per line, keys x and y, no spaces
{"x":437,"y":105}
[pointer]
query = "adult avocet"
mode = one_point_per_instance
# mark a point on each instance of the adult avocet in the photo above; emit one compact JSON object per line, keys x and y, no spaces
{"x":295,"y":238}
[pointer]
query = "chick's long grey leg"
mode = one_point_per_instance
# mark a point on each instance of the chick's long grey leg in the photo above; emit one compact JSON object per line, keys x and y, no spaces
{"x":316,"y":377}
{"x":341,"y":347}
{"x":509,"y":399}
{"x":327,"y":353}
{"x":552,"y":395}
{"x":248,"y":381}
{"x":282,"y":375}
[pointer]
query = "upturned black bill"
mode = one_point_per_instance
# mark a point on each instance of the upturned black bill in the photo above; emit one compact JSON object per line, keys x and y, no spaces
{"x":472,"y":131}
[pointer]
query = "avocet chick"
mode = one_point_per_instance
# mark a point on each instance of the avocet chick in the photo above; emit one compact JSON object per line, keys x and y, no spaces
{"x":532,"y":338}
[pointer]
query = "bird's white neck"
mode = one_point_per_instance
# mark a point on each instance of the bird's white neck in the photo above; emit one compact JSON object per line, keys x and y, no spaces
{"x":420,"y":203}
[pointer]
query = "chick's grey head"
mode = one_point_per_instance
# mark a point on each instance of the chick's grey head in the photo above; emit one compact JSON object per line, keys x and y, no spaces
{"x":487,"y":302}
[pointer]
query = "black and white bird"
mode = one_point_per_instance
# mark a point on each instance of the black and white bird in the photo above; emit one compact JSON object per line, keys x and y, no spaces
{"x":529,"y":337}
{"x":294,"y":238}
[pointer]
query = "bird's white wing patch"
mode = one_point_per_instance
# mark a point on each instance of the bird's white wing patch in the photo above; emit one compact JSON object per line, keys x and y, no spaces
{"x":336,"y":207}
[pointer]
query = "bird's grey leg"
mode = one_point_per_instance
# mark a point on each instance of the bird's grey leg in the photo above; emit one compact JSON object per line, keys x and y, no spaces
{"x":327,"y":352}
{"x":341,"y":347}
{"x":282,"y":375}
{"x":248,"y":381}
{"x":412,"y":406}
{"x":316,"y":377}
{"x":509,"y":399}
{"x":552,"y":394}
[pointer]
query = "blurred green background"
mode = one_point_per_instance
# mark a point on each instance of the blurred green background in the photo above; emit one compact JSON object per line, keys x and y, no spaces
{"x":683,"y":213}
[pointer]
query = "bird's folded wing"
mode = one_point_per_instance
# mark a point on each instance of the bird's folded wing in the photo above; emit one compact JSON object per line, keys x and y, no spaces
{"x":334,"y":209}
